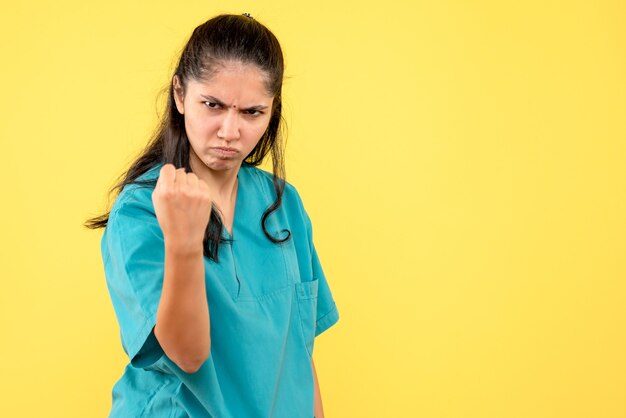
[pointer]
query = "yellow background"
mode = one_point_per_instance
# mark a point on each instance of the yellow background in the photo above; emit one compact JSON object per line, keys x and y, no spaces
{"x":464,"y":164}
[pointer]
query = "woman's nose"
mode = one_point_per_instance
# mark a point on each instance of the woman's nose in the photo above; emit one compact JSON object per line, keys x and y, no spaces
{"x":230,"y":125}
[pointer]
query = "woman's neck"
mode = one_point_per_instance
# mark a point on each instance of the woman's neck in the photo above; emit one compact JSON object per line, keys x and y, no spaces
{"x":222,"y":183}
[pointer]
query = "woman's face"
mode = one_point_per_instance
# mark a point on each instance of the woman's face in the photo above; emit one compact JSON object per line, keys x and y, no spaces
{"x":226,"y":116}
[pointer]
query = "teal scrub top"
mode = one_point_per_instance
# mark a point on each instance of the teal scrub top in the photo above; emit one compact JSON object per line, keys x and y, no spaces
{"x":267,"y":303}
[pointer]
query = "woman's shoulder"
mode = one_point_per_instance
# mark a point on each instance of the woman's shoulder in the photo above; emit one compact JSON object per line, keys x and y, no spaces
{"x":138,"y":194}
{"x":290,"y":193}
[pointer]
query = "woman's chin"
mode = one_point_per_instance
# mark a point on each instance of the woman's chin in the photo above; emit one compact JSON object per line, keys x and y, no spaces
{"x":221,"y":164}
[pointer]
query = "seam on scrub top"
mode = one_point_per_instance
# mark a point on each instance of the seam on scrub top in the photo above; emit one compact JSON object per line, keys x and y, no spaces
{"x":142,"y":336}
{"x":257,"y":177}
{"x":128,"y":194}
{"x":321,"y":323}
{"x":175,"y":396}
{"x":334,"y":308}
{"x":291,"y":273}
{"x":266,"y":296}
{"x":290,"y":279}
{"x":301,"y":321}
{"x":152,"y":397}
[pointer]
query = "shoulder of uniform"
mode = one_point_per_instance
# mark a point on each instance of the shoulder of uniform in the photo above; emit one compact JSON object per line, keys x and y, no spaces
{"x":290,"y":189}
{"x":138,"y":194}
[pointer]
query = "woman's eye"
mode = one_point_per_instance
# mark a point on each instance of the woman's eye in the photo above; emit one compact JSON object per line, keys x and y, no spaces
{"x":252,"y":112}
{"x":211,"y":105}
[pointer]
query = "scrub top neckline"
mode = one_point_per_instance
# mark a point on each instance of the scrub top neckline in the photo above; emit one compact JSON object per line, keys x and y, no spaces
{"x":237,"y":203}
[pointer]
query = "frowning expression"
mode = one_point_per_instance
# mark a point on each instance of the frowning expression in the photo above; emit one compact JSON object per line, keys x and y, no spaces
{"x":226,"y":115}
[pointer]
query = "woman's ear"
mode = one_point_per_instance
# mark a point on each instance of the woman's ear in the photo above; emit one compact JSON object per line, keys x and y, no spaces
{"x":178,"y":95}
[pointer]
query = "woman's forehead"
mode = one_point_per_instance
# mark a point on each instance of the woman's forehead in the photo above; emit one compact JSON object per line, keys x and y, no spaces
{"x":240,"y":81}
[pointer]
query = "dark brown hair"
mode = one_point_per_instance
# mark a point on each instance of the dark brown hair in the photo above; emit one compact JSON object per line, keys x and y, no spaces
{"x":223,"y":38}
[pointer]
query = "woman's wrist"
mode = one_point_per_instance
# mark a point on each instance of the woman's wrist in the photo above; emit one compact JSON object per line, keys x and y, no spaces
{"x":180,"y":248}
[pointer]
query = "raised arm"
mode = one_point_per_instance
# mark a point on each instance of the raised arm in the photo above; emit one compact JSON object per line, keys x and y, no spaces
{"x":183,"y":325}
{"x":183,"y":205}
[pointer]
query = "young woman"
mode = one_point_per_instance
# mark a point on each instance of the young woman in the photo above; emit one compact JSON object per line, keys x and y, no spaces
{"x":209,"y":260}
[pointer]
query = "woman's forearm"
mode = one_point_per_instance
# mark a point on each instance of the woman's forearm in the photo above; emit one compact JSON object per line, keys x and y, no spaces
{"x":318,"y":410}
{"x":182,"y":325}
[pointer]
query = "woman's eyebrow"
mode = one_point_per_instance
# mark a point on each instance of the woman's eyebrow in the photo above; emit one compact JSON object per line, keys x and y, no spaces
{"x":219,"y":102}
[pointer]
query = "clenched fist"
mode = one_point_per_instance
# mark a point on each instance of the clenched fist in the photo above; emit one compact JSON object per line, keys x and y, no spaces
{"x":182,"y":203}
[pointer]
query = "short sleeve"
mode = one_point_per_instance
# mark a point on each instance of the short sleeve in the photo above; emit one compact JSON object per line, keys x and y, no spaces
{"x":133,"y":254}
{"x":327,"y":312}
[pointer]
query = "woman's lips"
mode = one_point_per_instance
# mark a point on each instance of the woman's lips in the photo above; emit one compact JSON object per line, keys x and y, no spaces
{"x":224,"y":151}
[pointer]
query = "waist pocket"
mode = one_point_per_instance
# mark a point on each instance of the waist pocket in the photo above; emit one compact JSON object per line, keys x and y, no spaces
{"x":306,"y":298}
